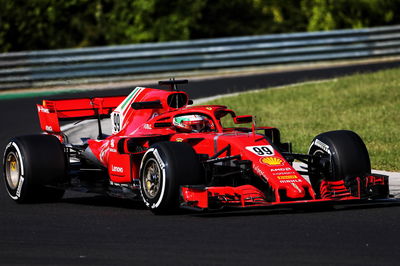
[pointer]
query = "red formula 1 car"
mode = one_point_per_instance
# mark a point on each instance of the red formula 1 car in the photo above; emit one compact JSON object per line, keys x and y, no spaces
{"x":169,"y":154}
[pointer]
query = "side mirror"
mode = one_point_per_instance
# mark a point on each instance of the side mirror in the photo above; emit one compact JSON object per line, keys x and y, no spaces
{"x":242,"y":119}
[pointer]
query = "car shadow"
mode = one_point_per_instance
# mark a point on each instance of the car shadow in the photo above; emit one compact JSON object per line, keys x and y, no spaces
{"x":276,"y":210}
{"x":99,"y":200}
{"x":104,"y":201}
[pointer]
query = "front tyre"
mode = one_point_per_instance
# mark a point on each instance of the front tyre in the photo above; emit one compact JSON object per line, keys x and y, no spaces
{"x":33,"y":165}
{"x":347,"y":158}
{"x":165,"y":167}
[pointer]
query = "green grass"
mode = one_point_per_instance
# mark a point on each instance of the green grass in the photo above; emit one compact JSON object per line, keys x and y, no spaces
{"x":368,"y":104}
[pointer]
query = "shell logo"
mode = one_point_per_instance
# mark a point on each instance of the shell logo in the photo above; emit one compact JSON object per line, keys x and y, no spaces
{"x":272,"y":161}
{"x":179,"y":140}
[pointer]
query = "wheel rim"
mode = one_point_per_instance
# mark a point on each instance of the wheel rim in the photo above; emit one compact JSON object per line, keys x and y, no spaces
{"x":151,"y":179}
{"x":12,"y":170}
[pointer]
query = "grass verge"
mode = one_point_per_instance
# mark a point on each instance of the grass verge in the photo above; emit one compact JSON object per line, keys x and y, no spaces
{"x":368,"y":104}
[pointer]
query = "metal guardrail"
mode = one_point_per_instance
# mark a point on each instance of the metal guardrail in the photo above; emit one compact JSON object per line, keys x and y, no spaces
{"x":124,"y":62}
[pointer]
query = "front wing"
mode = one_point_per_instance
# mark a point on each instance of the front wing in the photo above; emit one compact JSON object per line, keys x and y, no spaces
{"x":247,"y":196}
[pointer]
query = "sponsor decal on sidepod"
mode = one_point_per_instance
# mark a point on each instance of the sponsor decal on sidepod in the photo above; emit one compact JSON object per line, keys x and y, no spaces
{"x":117,"y":169}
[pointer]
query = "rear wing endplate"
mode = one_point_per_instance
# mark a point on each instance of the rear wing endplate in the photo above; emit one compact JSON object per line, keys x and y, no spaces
{"x":52,"y":111}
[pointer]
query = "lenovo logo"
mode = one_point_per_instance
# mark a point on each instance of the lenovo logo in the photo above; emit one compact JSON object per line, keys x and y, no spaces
{"x":117,"y":169}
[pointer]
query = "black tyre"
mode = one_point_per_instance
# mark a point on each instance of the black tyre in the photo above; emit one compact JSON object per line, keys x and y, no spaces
{"x":33,"y":165}
{"x":164,"y":168}
{"x":346,"y":154}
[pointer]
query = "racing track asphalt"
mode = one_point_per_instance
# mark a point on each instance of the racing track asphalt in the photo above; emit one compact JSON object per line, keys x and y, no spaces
{"x":93,"y":230}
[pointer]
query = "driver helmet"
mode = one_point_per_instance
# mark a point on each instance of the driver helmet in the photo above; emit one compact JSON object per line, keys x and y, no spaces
{"x":191,"y":123}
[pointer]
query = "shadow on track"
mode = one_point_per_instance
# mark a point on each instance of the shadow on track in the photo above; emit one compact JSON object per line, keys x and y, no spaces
{"x":104,"y":201}
{"x":298,"y":210}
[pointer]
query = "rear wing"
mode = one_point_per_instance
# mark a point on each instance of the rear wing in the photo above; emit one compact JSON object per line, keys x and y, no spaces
{"x":51,"y":112}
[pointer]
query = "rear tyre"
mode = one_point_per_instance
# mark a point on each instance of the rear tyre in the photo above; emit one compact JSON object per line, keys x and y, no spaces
{"x":347,"y":154}
{"x":33,"y":165}
{"x":165,"y":167}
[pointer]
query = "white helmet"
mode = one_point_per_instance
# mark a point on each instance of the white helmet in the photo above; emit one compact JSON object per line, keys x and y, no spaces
{"x":192,"y":123}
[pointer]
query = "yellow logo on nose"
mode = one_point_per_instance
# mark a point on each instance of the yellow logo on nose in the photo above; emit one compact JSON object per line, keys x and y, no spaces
{"x":273,"y":161}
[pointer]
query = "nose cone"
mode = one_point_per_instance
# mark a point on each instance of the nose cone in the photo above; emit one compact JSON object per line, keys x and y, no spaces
{"x":295,"y":191}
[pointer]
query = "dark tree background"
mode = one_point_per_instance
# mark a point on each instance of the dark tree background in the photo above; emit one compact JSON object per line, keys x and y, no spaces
{"x":52,"y":24}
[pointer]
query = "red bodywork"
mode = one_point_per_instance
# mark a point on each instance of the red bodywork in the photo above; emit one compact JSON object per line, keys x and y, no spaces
{"x":145,"y":126}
